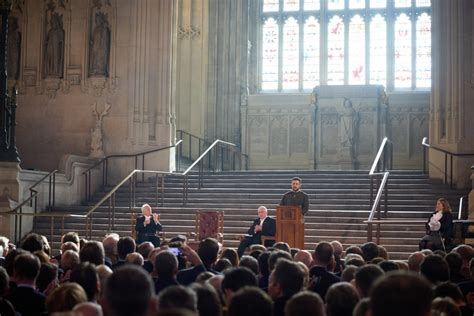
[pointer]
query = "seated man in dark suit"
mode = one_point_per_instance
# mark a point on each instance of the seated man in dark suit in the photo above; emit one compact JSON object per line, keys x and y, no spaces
{"x":147,"y":226}
{"x":262,"y":226}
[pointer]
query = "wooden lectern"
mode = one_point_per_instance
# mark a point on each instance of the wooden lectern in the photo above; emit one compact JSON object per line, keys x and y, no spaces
{"x":289,"y":226}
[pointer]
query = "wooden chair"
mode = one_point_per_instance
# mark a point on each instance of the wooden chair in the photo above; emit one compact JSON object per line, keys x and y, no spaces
{"x":133,"y":222}
{"x":209,"y":224}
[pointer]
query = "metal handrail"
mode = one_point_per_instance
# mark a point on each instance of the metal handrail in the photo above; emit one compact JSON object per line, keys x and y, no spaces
{"x":104,"y":161}
{"x":33,"y":201}
{"x":382,"y":187}
{"x":461,"y":207}
{"x":132,"y":179}
{"x":205,"y":143}
{"x":426,"y":145}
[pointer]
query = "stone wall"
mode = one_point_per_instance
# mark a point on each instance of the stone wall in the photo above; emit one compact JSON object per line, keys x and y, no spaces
{"x":95,"y":78}
{"x":290,"y":131}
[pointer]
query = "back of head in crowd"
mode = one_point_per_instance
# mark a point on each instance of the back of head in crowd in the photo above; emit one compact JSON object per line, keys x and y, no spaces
{"x":125,"y":245}
{"x":401,"y":293}
{"x":365,"y":278}
{"x":435,"y":269}
{"x":305,"y":303}
{"x":129,"y":291}
{"x":93,"y":252}
{"x":177,"y":296}
{"x":341,"y":298}
{"x":286,"y":279}
{"x":250,"y":301}
{"x":370,"y":251}
{"x":65,"y":297}
{"x":324,"y":253}
{"x":85,"y":274}
{"x":208,"y":250}
{"x":235,"y":279}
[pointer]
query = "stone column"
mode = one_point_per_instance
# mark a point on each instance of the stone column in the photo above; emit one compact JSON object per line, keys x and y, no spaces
{"x":9,"y":165}
{"x":451,"y":112}
{"x":152,"y":118}
{"x":228,"y":54}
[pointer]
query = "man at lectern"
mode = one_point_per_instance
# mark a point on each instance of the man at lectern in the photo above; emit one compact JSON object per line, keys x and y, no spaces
{"x":147,"y":226}
{"x":296,"y":197}
{"x":261,"y":226}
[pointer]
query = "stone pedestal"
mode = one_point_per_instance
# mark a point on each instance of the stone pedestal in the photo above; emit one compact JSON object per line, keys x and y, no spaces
{"x":9,"y":186}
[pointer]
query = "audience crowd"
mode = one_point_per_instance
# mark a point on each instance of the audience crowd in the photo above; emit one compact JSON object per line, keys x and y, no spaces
{"x":118,"y":277}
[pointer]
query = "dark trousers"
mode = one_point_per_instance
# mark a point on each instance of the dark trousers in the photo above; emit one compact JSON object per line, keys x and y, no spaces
{"x":155,"y":240}
{"x":251,"y":240}
{"x":246,"y":242}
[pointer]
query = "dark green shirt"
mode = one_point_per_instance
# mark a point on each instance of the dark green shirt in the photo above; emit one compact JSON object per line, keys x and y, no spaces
{"x":298,"y":198}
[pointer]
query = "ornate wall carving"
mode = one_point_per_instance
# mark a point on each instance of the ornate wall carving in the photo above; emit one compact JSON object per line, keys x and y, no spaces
{"x":54,"y":52}
{"x":99,"y":61}
{"x":189,"y":32}
{"x":277,"y":133}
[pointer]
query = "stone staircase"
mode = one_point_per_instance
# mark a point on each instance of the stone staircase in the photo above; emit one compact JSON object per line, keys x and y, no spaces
{"x":339,"y":203}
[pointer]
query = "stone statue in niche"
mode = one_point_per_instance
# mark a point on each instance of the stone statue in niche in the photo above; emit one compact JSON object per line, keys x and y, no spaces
{"x":100,"y":47}
{"x":13,"y":49}
{"x":54,"y":53}
{"x":97,"y":150}
{"x":348,"y":124}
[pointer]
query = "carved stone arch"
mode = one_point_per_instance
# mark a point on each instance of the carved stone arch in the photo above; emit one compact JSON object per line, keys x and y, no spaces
{"x":93,"y":83}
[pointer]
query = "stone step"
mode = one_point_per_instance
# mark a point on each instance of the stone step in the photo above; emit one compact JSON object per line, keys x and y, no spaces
{"x":339,"y":205}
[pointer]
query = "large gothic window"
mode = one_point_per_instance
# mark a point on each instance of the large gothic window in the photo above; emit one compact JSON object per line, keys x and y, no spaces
{"x":304,"y":43}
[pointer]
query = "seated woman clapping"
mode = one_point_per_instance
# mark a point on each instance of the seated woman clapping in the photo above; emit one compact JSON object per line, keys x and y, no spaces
{"x":439,"y":227}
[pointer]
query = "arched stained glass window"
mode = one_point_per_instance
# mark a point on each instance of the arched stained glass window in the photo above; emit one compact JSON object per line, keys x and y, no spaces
{"x":311,"y":53}
{"x":270,"y":5}
{"x":312,"y":5}
{"x":402,"y":3}
{"x":336,"y":50}
{"x":291,"y":5}
{"x":423,"y":3}
{"x":290,"y":54}
{"x":270,"y":55}
{"x":357,"y":50}
{"x":403,"y":45}
{"x":304,"y":43}
{"x":378,"y":50}
{"x":356,"y":4}
{"x":378,"y":3}
{"x":423,"y":51}
{"x":335,"y":4}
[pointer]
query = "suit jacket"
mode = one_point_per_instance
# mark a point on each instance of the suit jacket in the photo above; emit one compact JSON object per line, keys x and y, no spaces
{"x":268,"y":229}
{"x":188,"y":276}
{"x":27,"y":301}
{"x":148,"y":230}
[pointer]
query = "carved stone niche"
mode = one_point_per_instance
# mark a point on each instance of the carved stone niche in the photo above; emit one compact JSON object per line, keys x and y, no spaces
{"x":350,"y":124}
{"x":99,"y":76}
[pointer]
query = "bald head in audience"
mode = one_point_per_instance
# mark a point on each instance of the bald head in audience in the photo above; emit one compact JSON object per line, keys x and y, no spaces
{"x":69,"y":259}
{"x":304,"y":256}
{"x":338,"y":249}
{"x":110,"y":246}
{"x":69,"y":245}
{"x":88,"y":309}
{"x":134,"y":258}
{"x":415,"y":260}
